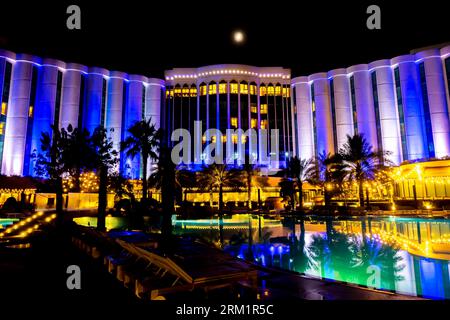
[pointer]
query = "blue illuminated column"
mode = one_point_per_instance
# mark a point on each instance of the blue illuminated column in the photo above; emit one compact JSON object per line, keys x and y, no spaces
{"x":153,"y":101}
{"x":304,"y":117}
{"x":17,"y":117}
{"x":95,"y":104}
{"x":48,"y":99}
{"x":114,"y":108}
{"x":437,"y":100}
{"x":73,"y":94}
{"x":388,"y":113}
{"x":6,"y":60}
{"x":406,"y":73}
{"x":342,"y":104}
{"x":324,"y":121}
{"x":132,"y":113}
{"x":365,"y":114}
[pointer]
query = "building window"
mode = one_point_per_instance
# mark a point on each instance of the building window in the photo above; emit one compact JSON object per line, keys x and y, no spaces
{"x":177,"y":91}
{"x":262,"y":90}
{"x":426,"y":111}
{"x":252,"y":89}
{"x":234,"y":138}
{"x":270,"y":90}
{"x":253,"y":123}
{"x":2,"y":128}
{"x":377,"y":109}
{"x":401,"y":115}
{"x":4,"y":108}
{"x":193,"y":92}
{"x":263,"y":124}
{"x":203,"y":90}
{"x":253,"y":108}
{"x":333,"y":115}
{"x":353,"y":96}
{"x":278,"y":90}
{"x":222,"y":88}
{"x":30,"y":111}
{"x":185,"y":91}
{"x":244,"y":88}
{"x":212,"y":89}
{"x":263,"y":108}
{"x":234,"y":122}
{"x":233,"y":88}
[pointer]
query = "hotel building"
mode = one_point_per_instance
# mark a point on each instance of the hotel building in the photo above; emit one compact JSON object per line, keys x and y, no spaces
{"x":401,"y":105}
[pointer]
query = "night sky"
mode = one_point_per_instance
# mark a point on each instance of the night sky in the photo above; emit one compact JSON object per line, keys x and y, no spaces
{"x":306,"y":36}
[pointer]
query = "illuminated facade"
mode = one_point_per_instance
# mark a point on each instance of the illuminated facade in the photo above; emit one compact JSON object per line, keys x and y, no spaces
{"x":233,"y":97}
{"x":401,"y":105}
{"x":38,"y":93}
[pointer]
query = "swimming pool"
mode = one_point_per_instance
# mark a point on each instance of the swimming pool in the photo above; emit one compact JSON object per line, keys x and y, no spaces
{"x":4,"y":223}
{"x":403,"y":255}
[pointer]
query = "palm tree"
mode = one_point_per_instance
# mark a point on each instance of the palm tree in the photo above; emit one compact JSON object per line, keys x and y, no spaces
{"x":219,"y":176}
{"x":54,"y":161}
{"x":249,"y":170}
{"x":361,"y":161}
{"x":302,"y":170}
{"x":104,"y":158}
{"x":144,"y":139}
{"x":326,"y":171}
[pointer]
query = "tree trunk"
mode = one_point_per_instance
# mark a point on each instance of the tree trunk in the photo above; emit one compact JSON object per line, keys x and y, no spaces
{"x":59,"y":200}
{"x":102,"y":199}
{"x":144,"y":177}
{"x":249,"y":192}
{"x":361,"y":193}
{"x":300,"y":195}
{"x":221,"y":216}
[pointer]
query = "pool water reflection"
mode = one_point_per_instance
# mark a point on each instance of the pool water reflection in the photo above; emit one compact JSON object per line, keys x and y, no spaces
{"x":404,"y":255}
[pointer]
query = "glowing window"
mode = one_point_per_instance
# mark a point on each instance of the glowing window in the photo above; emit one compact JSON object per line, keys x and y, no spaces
{"x":253,"y":108}
{"x":252,"y":89}
{"x":2,"y":128}
{"x":193,"y":91}
{"x":262,"y":91}
{"x":177,"y":92}
{"x":270,"y":90}
{"x":286,"y":92}
{"x":244,"y":88}
{"x":278,"y":90}
{"x":234,"y":122}
{"x":212,"y":89}
{"x":30,"y":111}
{"x":253,"y":123}
{"x":213,"y":139}
{"x":224,"y":139}
{"x":185,"y":92}
{"x":263,"y":124}
{"x":234,"y":138}
{"x":204,"y":139}
{"x":222,"y":88}
{"x":263,"y":108}
{"x":4,"y":108}
{"x":243,"y":138}
{"x":234,"y":88}
{"x":203,"y":90}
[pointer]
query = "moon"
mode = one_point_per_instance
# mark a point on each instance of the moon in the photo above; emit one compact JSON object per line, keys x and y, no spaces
{"x":238,"y":36}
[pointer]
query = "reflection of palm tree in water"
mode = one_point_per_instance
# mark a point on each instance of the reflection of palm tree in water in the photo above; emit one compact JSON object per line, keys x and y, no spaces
{"x":298,"y":251}
{"x":349,"y":258}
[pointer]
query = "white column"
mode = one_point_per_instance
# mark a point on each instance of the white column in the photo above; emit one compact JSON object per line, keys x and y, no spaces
{"x":113,"y":118}
{"x":17,"y":115}
{"x":437,"y":100}
{"x":71,"y":95}
{"x":304,"y":118}
{"x":342,"y":105}
{"x":365,"y":112}
{"x":324,"y":124}
{"x":390,"y":128}
{"x":412,"y":106}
